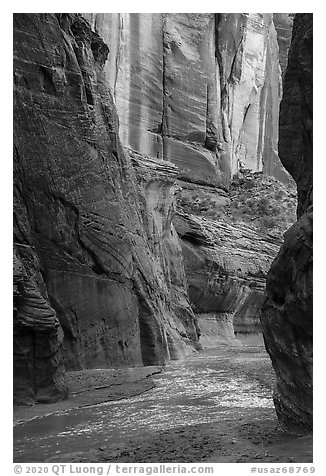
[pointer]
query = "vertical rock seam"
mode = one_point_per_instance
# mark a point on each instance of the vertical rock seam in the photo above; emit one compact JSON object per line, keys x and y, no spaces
{"x":287,"y":315}
{"x":210,"y":77}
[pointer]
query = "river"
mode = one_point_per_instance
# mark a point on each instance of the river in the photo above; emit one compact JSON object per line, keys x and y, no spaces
{"x":220,"y":388}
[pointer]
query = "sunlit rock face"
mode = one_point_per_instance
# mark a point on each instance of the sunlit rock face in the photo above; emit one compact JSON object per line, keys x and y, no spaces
{"x":164,"y":85}
{"x":200,"y":90}
{"x":249,"y":80}
{"x":96,"y":287}
{"x":287,"y":314}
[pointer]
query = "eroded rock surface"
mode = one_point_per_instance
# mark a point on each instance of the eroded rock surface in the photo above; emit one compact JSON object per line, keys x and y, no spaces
{"x":228,"y":246}
{"x":283,"y":24}
{"x":226,"y":266}
{"x":197,"y":97}
{"x":200,"y":90}
{"x":39,"y":373}
{"x":158,"y":187}
{"x":97,"y":278}
{"x":287,"y":314}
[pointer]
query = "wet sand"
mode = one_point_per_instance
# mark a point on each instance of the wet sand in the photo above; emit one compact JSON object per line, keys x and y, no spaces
{"x":215,"y":406}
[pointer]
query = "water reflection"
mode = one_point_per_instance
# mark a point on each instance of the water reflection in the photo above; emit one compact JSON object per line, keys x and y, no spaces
{"x":191,"y":392}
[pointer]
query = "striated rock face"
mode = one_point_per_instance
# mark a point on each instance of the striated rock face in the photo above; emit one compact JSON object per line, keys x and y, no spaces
{"x":200,"y":90}
{"x":250,"y":94}
{"x":39,"y":372}
{"x":295,"y":145}
{"x":226,"y":266}
{"x":99,"y":251}
{"x":283,"y":24}
{"x":275,"y":60}
{"x":163,"y":81}
{"x":157,"y":187}
{"x":90,"y":270}
{"x":287,"y":312}
{"x":238,"y":239}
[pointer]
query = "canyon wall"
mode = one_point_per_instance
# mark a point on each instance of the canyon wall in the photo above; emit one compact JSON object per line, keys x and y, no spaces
{"x":94,"y":286}
{"x":106,"y":272}
{"x":226,"y":266}
{"x":283,"y":24}
{"x":228,"y":249}
{"x":288,"y":311}
{"x":199,"y":90}
{"x":202,"y":91}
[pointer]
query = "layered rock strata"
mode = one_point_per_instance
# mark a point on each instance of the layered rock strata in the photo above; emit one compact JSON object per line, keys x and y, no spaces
{"x":100,"y":267}
{"x":158,"y":189}
{"x":39,"y":372}
{"x":201,"y":91}
{"x":245,"y":227}
{"x":95,"y":277}
{"x":287,"y":313}
{"x":226,"y":267}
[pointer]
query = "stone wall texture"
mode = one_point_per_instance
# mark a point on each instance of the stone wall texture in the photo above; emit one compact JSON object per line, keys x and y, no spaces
{"x":115,"y":116}
{"x":200,"y":90}
{"x":95,"y":288}
{"x":287,"y":315}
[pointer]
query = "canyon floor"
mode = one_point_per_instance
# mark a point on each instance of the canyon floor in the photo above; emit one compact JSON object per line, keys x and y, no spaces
{"x":214,"y":407}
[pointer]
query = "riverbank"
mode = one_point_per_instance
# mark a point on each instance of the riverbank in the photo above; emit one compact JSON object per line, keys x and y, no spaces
{"x":93,"y":387}
{"x":212,"y":407}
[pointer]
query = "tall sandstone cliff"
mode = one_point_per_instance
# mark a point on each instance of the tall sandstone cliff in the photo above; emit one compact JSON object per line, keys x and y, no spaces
{"x":105,"y":272}
{"x":99,"y":279}
{"x":287,"y":314}
{"x":202,"y":91}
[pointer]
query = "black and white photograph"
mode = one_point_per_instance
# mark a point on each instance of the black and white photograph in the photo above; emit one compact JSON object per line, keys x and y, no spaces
{"x":162,"y":242}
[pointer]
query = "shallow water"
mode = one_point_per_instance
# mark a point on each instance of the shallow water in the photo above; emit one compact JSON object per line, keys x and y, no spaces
{"x":201,"y":389}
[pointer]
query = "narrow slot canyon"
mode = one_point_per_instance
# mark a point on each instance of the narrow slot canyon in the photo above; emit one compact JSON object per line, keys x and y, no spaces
{"x":163,"y":237}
